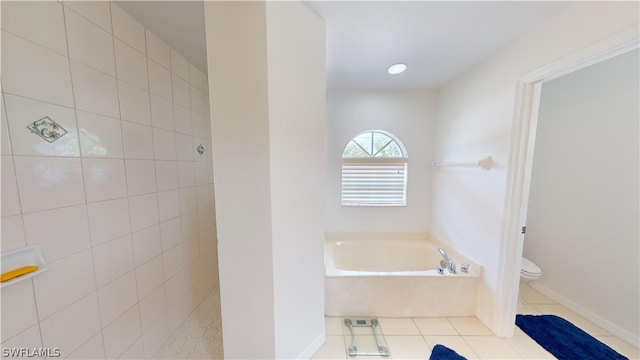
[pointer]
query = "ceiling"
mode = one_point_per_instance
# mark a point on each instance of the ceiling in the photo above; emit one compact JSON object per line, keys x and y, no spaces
{"x":438,"y":40}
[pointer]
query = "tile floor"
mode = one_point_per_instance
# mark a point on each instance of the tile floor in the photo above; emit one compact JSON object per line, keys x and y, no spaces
{"x":200,"y":337}
{"x":413,"y":338}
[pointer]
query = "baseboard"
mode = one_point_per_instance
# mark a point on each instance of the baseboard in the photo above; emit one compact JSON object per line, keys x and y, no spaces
{"x":614,"y":329}
{"x":313,"y":347}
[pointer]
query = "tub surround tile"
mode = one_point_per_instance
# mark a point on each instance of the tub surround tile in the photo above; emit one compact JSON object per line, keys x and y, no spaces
{"x":92,"y":349}
{"x":5,"y":146}
{"x":138,"y":141}
{"x":152,"y":307}
{"x":13,"y":236}
{"x":155,"y":336}
{"x":162,"y":113}
{"x":45,"y":28}
{"x":186,"y":174}
{"x":149,"y":276}
{"x":167,"y":175}
{"x":105,"y":179}
{"x":143,"y":211}
{"x":73,"y":220}
{"x":164,"y":144}
{"x":189,"y":224}
{"x":180,"y":92}
{"x":168,"y":205}
{"x":48,"y":182}
{"x":158,"y":50}
{"x":29,"y":338}
{"x":89,"y":43}
{"x":135,"y":351}
{"x":141,"y":176}
{"x":160,"y":80}
{"x":197,"y":78}
{"x":100,"y":136}
{"x":172,"y":261}
{"x":170,"y":233}
{"x":182,"y":118}
{"x":23,"y":61}
{"x":179,"y":65}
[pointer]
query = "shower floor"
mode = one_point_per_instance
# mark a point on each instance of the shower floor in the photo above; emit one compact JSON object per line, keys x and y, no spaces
{"x":200,"y":337}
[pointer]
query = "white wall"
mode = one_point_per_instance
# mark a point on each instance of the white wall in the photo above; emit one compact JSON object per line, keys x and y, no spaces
{"x":121,"y":205}
{"x":409,"y":115}
{"x":266,"y":69}
{"x":582,"y":220}
{"x":474,"y":119}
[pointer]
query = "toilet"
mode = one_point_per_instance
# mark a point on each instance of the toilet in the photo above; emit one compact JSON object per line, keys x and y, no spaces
{"x":529,"y":271}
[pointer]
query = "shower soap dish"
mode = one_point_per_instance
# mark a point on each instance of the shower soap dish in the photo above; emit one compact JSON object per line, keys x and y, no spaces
{"x":22,"y":264}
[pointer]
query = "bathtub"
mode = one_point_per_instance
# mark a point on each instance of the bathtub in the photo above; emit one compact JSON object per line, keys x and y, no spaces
{"x":394,"y":275}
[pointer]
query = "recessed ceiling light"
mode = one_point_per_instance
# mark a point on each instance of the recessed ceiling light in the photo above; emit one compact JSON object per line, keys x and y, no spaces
{"x":396,"y":69}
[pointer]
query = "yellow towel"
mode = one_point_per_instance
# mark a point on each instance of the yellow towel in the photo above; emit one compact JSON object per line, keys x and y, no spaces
{"x":17,"y":272}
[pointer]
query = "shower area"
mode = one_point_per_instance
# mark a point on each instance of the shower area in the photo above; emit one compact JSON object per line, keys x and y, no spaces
{"x":107,"y":183}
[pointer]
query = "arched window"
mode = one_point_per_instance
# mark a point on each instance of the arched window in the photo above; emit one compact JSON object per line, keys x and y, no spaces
{"x":374,"y":170}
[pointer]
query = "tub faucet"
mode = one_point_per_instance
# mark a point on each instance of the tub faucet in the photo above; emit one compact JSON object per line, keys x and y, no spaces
{"x":447,"y":261}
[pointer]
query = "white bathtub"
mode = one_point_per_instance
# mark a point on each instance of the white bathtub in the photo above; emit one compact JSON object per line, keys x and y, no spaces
{"x":395,"y":275}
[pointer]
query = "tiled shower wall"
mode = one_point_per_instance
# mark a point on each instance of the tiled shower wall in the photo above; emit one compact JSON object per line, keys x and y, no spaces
{"x":122,"y":205}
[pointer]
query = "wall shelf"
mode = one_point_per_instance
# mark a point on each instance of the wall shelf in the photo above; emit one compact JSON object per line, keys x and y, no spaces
{"x":26,"y":256}
{"x":485,"y":163}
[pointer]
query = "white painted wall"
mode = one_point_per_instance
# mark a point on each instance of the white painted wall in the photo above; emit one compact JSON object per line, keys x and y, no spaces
{"x":474,"y":119}
{"x":582,"y":220}
{"x":297,"y":108}
{"x":267,"y":78}
{"x":409,"y":115}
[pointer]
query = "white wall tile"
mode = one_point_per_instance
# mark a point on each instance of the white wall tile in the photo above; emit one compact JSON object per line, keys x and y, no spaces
{"x":131,"y":65}
{"x":95,"y":91}
{"x":134,"y":104}
{"x":113,"y":259}
{"x":172,"y":261}
{"x":149,"y":276}
{"x":167,"y":175}
{"x":10,"y":199}
{"x":121,"y":333}
{"x":189,"y":224}
{"x":197,"y":100}
{"x":199,"y":127}
{"x":170,"y":233}
{"x":158,"y":50}
{"x":152,"y":307}
{"x":144,"y":211}
{"x":89,"y":43}
{"x":100,"y":136}
{"x":93,"y":349}
{"x":45,"y":26}
{"x":160,"y":80}
{"x":22,"y":112}
{"x":66,"y":281}
{"x":164,"y":144}
{"x":204,"y":219}
{"x":127,"y":29}
{"x":162,"y":113}
{"x":175,"y":289}
{"x":188,"y":200}
{"x":179,"y":65}
{"x":202,"y":173}
{"x":197,"y":78}
{"x":108,"y":220}
{"x":138,"y":141}
{"x":18,"y":309}
{"x":184,"y":147}
{"x":97,"y":12}
{"x":134,"y":352}
{"x":146,"y":244}
{"x":168,"y":204}
{"x":5,"y":142}
{"x":104,"y":179}
{"x":48,"y":182}
{"x":180,"y":92}
{"x":155,"y":337}
{"x":23,"y":61}
{"x":141,"y":176}
{"x":12,"y":236}
{"x":73,"y":220}
{"x":29,"y":338}
{"x":182,"y":118}
{"x":202,"y":196}
{"x":117,"y":297}
{"x":186,"y":173}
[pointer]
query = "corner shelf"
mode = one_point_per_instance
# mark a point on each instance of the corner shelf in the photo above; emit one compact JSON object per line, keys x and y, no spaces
{"x":26,"y":256}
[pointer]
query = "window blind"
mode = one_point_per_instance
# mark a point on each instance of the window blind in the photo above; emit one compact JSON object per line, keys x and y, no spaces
{"x":380,"y":183}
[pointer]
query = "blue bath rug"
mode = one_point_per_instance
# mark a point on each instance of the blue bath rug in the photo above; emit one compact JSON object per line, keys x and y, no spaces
{"x":441,"y":352}
{"x":563,"y":339}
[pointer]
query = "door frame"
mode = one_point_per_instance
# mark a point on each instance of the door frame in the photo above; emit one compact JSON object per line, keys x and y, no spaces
{"x":524,"y":125}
